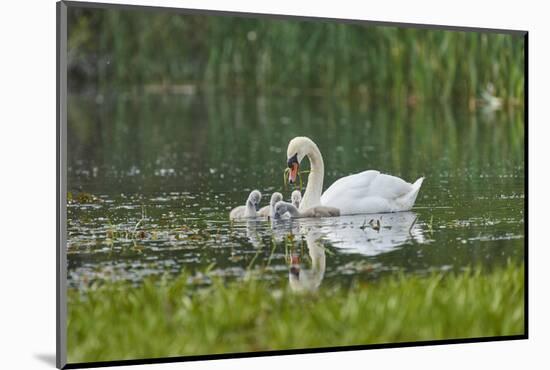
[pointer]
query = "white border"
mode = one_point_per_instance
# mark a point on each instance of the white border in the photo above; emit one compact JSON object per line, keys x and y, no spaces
{"x":28,"y":182}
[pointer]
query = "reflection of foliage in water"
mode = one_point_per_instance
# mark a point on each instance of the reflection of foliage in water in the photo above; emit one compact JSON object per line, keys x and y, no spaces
{"x":244,"y":140}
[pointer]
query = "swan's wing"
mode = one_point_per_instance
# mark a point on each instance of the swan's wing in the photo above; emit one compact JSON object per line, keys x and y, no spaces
{"x":359,"y":182}
{"x":367,"y":184}
{"x":389,"y":187}
{"x":367,"y":192}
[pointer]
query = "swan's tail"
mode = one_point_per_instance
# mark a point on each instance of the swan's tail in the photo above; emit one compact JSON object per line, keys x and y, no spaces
{"x":408,"y":199}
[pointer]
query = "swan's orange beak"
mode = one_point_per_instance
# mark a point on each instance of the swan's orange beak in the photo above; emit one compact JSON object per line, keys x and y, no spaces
{"x":293,"y":172}
{"x":295,"y":265}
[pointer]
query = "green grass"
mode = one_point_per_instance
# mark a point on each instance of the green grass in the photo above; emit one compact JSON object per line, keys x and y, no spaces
{"x":158,"y":319}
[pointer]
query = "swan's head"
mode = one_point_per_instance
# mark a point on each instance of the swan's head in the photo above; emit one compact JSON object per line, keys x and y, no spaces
{"x":280,"y":209}
{"x":296,"y":198}
{"x":275,"y":197}
{"x":294,"y":270}
{"x":297,"y":149}
{"x":255,"y":198}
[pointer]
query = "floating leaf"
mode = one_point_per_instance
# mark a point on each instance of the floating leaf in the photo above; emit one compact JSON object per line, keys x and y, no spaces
{"x":82,"y":198}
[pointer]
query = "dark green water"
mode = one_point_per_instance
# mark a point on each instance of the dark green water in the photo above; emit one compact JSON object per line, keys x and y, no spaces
{"x":179,"y":163}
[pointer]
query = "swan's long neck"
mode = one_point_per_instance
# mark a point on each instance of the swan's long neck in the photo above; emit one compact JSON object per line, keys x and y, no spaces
{"x":317,"y":254}
{"x":250,"y":210}
{"x":314,"y":188}
{"x":272,"y":213}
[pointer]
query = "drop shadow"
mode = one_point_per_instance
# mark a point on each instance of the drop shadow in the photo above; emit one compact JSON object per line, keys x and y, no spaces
{"x":47,"y":358}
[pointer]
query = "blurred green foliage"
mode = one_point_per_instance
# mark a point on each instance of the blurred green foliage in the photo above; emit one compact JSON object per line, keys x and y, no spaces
{"x":130,"y":49}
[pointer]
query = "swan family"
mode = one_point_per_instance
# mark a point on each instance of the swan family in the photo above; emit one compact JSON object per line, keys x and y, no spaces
{"x":365,"y":192}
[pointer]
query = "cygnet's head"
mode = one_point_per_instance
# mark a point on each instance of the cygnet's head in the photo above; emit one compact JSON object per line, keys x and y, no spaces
{"x":255,"y":198}
{"x":275,"y":197}
{"x":280,"y":209}
{"x":296,"y":198}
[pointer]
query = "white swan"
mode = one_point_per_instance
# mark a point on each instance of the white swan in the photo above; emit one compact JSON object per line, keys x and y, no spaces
{"x":283,"y":207}
{"x":296,"y":198}
{"x":365,"y":192}
{"x":268,"y":211}
{"x":248,"y":210}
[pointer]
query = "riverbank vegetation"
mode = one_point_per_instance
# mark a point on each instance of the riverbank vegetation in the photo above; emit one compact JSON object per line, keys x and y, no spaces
{"x":117,"y":321}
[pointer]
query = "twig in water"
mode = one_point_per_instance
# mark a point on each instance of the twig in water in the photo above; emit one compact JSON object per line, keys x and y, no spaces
{"x":272,"y":251}
{"x":430,"y":225}
{"x":414,"y":222}
{"x":140,"y":221}
{"x":252,"y":261}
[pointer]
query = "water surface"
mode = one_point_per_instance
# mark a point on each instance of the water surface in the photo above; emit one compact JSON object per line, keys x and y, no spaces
{"x":163,"y":172}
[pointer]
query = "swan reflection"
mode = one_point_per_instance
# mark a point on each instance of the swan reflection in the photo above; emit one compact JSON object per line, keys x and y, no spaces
{"x":369,"y":235}
{"x":366,"y":235}
{"x":308,"y":280}
{"x":373,"y":234}
{"x":253,"y":232}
